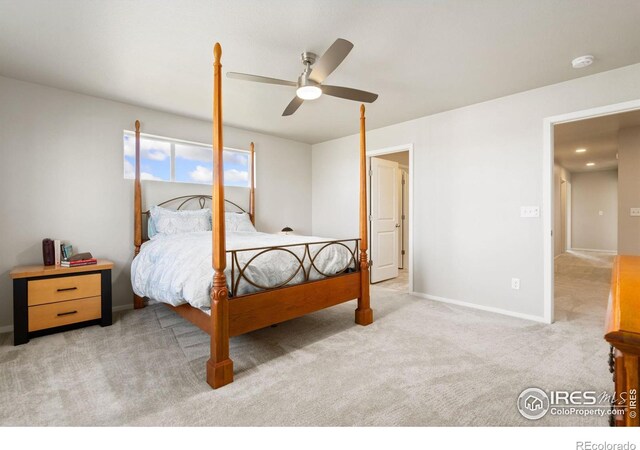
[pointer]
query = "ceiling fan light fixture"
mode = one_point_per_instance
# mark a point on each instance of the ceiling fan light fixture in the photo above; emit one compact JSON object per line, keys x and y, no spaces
{"x":309,"y":92}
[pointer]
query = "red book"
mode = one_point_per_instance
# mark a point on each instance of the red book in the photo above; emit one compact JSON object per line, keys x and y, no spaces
{"x":80,"y":262}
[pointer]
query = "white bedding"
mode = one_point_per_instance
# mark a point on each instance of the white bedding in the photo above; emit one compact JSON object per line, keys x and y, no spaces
{"x":176,"y":269}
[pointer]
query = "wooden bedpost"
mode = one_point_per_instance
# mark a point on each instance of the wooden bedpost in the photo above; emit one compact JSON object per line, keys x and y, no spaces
{"x":138,"y":302}
{"x":252,"y":191}
{"x":219,"y":366}
{"x":364,"y":313}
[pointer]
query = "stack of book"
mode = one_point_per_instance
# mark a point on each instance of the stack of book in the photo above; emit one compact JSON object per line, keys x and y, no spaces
{"x":81,"y":259}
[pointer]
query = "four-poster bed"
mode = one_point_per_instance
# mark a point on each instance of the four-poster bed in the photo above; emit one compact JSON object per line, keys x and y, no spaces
{"x":240,"y":304}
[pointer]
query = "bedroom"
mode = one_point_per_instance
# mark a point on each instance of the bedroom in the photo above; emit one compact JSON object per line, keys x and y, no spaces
{"x":474,"y":110}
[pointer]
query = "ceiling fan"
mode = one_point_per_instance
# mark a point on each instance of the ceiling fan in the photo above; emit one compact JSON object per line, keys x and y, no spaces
{"x":309,"y":85}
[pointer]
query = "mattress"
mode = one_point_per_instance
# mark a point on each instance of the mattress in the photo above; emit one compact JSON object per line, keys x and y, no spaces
{"x":176,"y":269}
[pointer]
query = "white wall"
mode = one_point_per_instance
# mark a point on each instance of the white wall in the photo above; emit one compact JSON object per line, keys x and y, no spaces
{"x":628,"y":190}
{"x":559,"y":174}
{"x":592,"y":193}
{"x":474,"y":168}
{"x":61,"y":176}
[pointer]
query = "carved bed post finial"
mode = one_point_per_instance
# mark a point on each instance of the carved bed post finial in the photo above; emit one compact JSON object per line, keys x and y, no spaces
{"x":364,"y":313}
{"x":219,"y":366}
{"x":138,"y":302}
{"x":252,"y":191}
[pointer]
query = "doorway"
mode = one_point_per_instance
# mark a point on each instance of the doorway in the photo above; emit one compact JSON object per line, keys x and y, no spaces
{"x":591,"y":163}
{"x":390,"y":217}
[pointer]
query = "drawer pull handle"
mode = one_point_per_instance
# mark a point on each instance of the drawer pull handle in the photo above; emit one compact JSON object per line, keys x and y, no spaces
{"x":67,"y":289}
{"x":67,"y":313}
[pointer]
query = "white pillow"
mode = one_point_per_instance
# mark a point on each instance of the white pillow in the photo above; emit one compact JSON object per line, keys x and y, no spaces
{"x":238,"y":222}
{"x":167,"y":221}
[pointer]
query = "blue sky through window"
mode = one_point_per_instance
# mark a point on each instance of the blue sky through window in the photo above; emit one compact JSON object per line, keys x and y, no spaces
{"x":192,"y":163}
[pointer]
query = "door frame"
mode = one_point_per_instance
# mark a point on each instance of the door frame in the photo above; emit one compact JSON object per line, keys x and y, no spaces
{"x":386,"y":151}
{"x":563,"y":213}
{"x":547,"y":188}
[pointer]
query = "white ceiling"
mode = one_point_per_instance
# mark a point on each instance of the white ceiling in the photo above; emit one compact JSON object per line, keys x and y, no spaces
{"x":599,"y":136}
{"x":422,"y":57}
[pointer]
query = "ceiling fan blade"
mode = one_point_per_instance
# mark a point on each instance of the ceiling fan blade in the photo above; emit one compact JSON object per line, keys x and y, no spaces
{"x":330,"y":60}
{"x":293,"y":106}
{"x":349,"y":93}
{"x":259,"y":79}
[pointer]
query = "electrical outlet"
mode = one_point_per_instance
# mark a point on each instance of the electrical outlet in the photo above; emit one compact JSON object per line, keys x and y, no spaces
{"x":635,"y":212}
{"x":515,"y":283}
{"x":529,"y":211}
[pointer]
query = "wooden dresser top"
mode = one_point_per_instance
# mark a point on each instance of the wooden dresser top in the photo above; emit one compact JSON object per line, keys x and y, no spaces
{"x":623,"y":314}
{"x":38,"y":270}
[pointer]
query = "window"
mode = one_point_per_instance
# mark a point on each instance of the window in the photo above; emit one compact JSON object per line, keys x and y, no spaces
{"x":164,"y":159}
{"x":155,"y":159}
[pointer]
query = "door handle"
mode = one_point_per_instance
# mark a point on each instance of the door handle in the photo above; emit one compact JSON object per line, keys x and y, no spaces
{"x":397,"y":225}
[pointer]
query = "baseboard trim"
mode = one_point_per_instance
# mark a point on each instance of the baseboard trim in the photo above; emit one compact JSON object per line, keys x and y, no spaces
{"x":491,"y":309}
{"x":9,"y":328}
{"x":612,"y":252}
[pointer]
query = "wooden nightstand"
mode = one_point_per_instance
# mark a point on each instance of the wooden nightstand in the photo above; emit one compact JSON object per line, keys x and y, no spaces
{"x":49,"y":299}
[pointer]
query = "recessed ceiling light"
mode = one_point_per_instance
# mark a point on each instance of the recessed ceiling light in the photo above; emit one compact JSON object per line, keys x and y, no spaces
{"x":582,"y":61}
{"x":591,"y":164}
{"x":581,"y":150}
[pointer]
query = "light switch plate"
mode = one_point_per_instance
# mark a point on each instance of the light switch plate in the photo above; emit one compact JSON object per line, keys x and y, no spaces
{"x":529,"y":211}
{"x":635,"y":212}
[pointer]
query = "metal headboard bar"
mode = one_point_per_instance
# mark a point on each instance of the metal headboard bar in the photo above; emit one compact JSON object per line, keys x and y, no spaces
{"x":202,"y":199}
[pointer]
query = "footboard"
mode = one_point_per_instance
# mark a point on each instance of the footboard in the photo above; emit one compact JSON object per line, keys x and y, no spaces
{"x":254,"y":311}
{"x":254,"y":269}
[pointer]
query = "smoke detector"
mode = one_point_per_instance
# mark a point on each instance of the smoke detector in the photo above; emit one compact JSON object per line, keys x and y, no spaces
{"x":582,"y":61}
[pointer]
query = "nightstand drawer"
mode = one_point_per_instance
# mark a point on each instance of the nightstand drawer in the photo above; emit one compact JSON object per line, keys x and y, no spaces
{"x":59,"y":289}
{"x":64,"y":313}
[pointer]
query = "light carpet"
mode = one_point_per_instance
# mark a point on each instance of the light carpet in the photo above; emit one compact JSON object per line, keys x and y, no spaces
{"x":420,"y":363}
{"x":399,"y":283}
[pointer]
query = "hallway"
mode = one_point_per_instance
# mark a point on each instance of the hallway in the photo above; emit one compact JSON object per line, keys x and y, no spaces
{"x":582,"y":285}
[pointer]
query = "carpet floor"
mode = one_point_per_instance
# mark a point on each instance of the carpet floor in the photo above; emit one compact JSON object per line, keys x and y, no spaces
{"x":420,"y":363}
{"x":399,"y":283}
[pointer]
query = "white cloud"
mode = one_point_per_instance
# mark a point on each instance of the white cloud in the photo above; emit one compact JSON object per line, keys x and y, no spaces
{"x":193,"y":153}
{"x":235,"y":176}
{"x":231,"y":157}
{"x":149,"y":176}
{"x":201,"y":175}
{"x":154,"y":150}
{"x":130,"y":172}
{"x":156,"y":155}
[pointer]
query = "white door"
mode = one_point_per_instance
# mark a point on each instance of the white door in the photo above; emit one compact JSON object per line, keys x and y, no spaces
{"x":384,"y":219}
